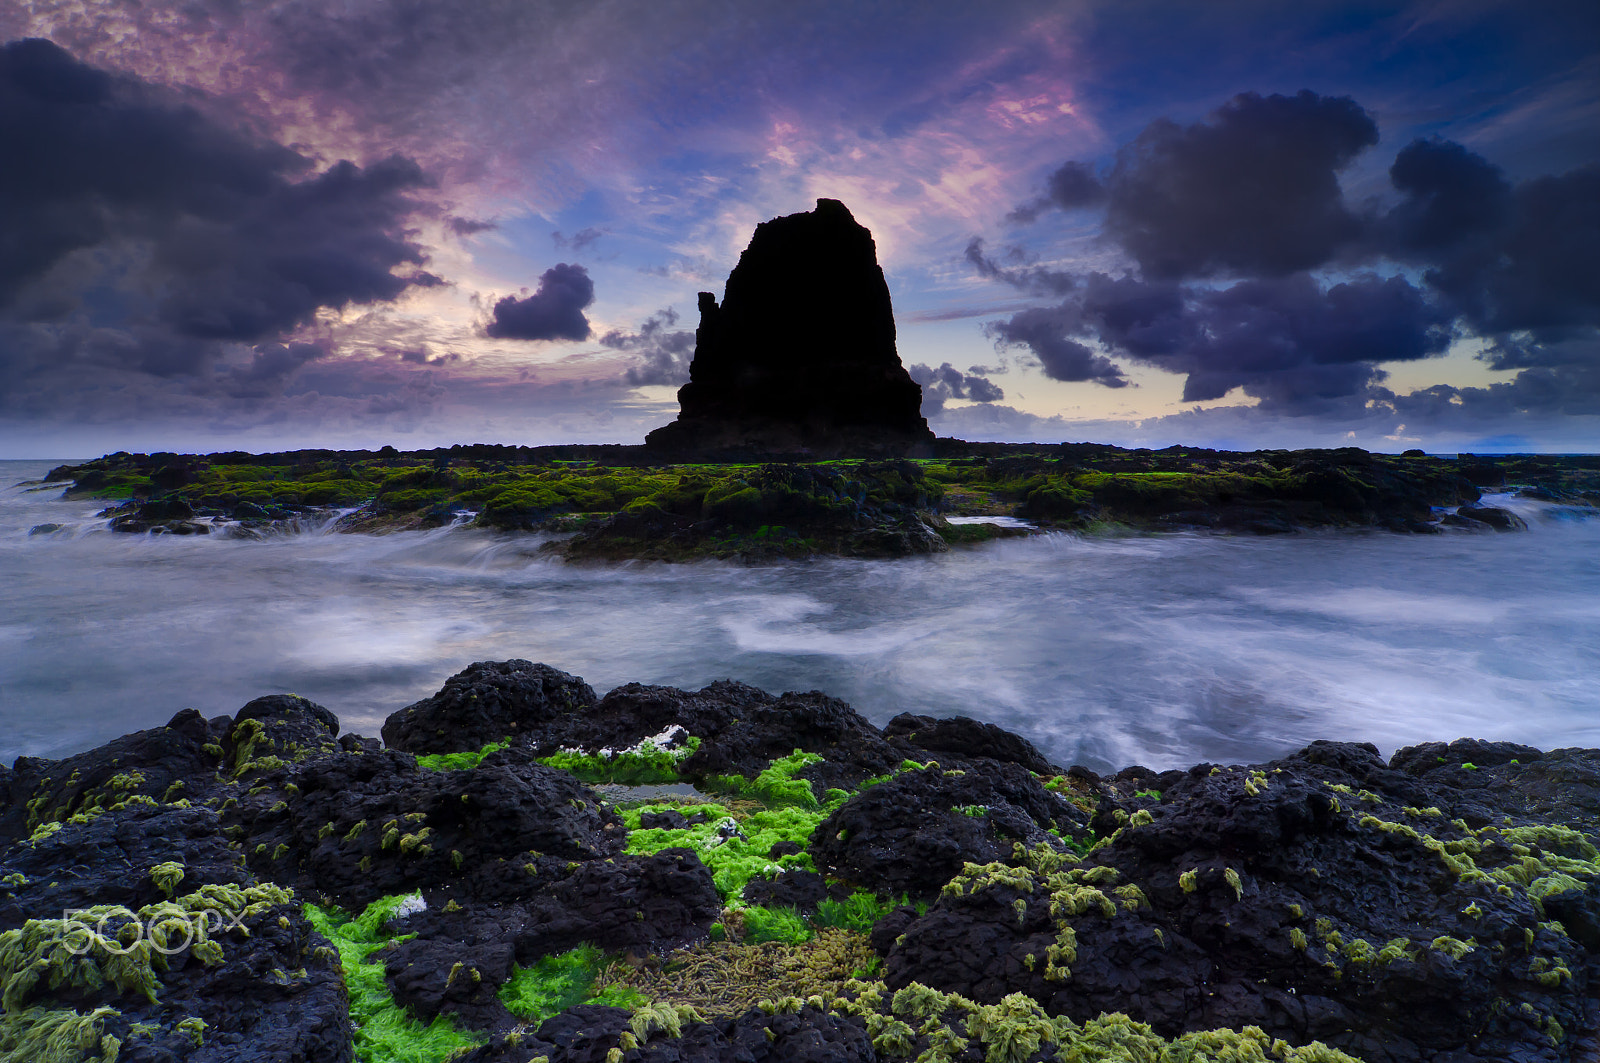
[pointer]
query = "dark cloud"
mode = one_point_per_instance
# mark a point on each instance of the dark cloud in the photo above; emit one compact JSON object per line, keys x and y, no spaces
{"x":1251,"y":191}
{"x":1538,"y":272}
{"x":1451,"y":196}
{"x":1286,"y":341}
{"x":142,"y":236}
{"x":1071,"y":187}
{"x":1018,"y":270}
{"x":665,"y":352}
{"x":553,"y":312}
{"x":275,"y":362}
{"x":1046,"y":331}
{"x":1226,"y":222}
{"x":1519,"y":263}
{"x":947,"y":382}
{"x":216,"y":237}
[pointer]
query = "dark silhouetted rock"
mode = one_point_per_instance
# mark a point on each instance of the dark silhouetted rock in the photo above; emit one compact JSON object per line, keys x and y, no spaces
{"x":801,"y":354}
{"x":793,"y":888}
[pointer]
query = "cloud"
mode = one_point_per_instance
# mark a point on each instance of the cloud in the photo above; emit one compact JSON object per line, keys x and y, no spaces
{"x":1451,"y":196}
{"x":198,"y":227}
{"x":554,"y":312}
{"x":578,"y":241}
{"x":665,"y":353}
{"x":272,"y":364}
{"x":1047,"y":331}
{"x":1018,"y":271}
{"x":1249,"y":271}
{"x":947,"y":382}
{"x":143,"y":235}
{"x":1519,"y":263}
{"x":1072,"y":186}
{"x":1537,"y":272}
{"x":469,"y":226}
{"x":1253,"y":190}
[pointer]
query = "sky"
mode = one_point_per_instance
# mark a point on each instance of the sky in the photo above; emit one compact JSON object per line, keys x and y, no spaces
{"x":304,"y":223}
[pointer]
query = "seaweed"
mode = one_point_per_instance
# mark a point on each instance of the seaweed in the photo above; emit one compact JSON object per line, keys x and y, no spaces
{"x":459,"y":761}
{"x":777,"y":786}
{"x":775,"y":924}
{"x":555,"y":983}
{"x":39,"y":1035}
{"x":641,"y":764}
{"x":384,"y":1031}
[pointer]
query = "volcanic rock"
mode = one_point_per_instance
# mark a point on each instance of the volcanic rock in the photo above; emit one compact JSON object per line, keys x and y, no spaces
{"x":913,"y":832}
{"x":484,"y":703}
{"x":801,"y":354}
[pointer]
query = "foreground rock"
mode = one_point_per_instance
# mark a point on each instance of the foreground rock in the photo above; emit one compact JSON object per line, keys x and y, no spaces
{"x":484,"y":899}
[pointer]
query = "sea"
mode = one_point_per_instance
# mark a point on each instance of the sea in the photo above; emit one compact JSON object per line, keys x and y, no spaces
{"x":1164,"y":650}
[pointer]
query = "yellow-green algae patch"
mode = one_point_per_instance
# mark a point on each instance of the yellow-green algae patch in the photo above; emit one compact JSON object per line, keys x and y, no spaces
{"x":107,"y":947}
{"x":384,"y":1031}
{"x":555,"y":983}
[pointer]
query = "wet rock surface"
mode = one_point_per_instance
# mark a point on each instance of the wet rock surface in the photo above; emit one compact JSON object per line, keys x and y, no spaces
{"x":1439,"y":906}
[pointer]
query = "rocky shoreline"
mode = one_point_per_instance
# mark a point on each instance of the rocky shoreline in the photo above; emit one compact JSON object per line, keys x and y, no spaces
{"x":525,"y":870}
{"x":623,"y":503}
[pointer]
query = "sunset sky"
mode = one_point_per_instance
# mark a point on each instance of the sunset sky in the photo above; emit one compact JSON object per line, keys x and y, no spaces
{"x":273,"y":225}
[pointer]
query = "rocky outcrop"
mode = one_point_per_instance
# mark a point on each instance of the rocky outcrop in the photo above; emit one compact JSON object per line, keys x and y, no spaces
{"x":800,"y":355}
{"x":875,"y":510}
{"x":1441,"y":906}
{"x":1325,"y":896}
{"x":484,"y":703}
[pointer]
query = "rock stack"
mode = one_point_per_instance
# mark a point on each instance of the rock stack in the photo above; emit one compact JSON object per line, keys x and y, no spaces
{"x":800,"y":356}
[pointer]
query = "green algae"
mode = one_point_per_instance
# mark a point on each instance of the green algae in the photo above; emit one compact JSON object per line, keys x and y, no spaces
{"x":385,"y":1032}
{"x":167,"y":876}
{"x":113,"y":947}
{"x":733,"y":842}
{"x":859,"y":912}
{"x":555,"y":983}
{"x":920,"y":1022}
{"x":40,"y":1035}
{"x":775,"y":924}
{"x":459,"y":761}
{"x":108,"y":948}
{"x":641,"y":765}
{"x":734,"y":859}
{"x":727,"y":978}
{"x":776,"y":786}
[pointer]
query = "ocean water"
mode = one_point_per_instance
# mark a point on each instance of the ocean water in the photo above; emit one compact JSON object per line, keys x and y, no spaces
{"x":1162,"y":650}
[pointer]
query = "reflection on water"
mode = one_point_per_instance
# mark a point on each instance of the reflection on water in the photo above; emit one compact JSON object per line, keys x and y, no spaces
{"x":1160,"y":650}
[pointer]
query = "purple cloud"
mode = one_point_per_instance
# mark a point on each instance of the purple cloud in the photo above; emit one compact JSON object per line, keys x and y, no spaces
{"x":553,"y":312}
